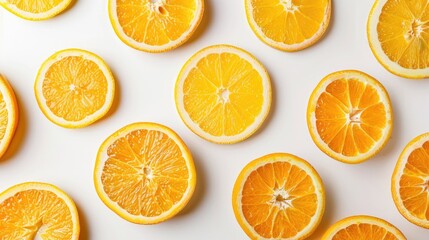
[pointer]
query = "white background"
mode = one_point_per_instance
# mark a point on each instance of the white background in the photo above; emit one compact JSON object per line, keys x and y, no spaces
{"x":42,"y":151}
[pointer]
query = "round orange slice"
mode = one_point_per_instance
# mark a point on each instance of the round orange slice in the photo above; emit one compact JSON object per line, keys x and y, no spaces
{"x":410,"y":181}
{"x":278,"y":196}
{"x":363,"y":227}
{"x":398,"y":34}
{"x":155,"y":25}
{"x":74,"y":88}
{"x":35,"y":210}
{"x":35,"y":9}
{"x":288,"y":25}
{"x":223,"y":94}
{"x":145,"y":173}
{"x":349,"y":116}
{"x":8,"y":114}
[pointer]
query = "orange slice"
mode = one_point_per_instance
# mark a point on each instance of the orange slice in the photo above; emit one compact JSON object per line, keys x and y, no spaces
{"x":35,"y":9}
{"x":349,"y":116}
{"x":288,"y":25}
{"x":223,"y":94}
{"x":363,"y":228}
{"x":278,"y":196}
{"x":74,"y":88}
{"x":398,"y":34}
{"x":155,"y":25}
{"x":36,"y":210}
{"x":144,"y":173}
{"x":8,"y":115}
{"x":410,"y":181}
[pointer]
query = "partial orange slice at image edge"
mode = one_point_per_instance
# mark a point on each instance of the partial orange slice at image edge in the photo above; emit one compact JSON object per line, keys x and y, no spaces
{"x":35,"y":9}
{"x":288,"y":25}
{"x":35,"y":210}
{"x":363,"y":227}
{"x":398,"y":34}
{"x":157,"y":25}
{"x":410,"y":181}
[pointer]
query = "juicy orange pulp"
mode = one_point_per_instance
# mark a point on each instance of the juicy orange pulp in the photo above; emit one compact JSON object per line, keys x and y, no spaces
{"x":3,"y":116}
{"x":403,"y":31}
{"x":414,"y":183}
{"x":145,"y":173}
{"x":223,"y":94}
{"x":155,"y":22}
{"x":350,"y":118}
{"x":278,"y":200}
{"x":25,"y":214}
{"x":74,"y":88}
{"x":289,"y":21}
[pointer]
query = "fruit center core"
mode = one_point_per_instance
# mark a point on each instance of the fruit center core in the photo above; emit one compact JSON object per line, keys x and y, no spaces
{"x":223,"y":95}
{"x":281,"y":199}
{"x":354,"y":116}
{"x":288,"y":5}
{"x":157,"y":6}
{"x":146,"y":172}
{"x":36,"y":230}
{"x":416,"y":29}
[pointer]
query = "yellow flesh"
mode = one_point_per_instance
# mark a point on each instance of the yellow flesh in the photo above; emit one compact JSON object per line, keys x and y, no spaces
{"x":289,"y":21}
{"x":155,"y":22}
{"x":403,"y":31}
{"x":74,"y":88}
{"x":350,"y":118}
{"x":145,"y":173}
{"x":414,"y":183}
{"x":35,"y":6}
{"x":278,"y":200}
{"x":364,"y":231}
{"x":3,"y":117}
{"x":33,"y":213}
{"x":223,"y":94}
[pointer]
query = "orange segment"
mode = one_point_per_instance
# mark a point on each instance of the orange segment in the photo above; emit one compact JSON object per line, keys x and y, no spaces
{"x":8,"y":114}
{"x":288,"y":25}
{"x":35,"y":9}
{"x":410,"y":181}
{"x":156,"y":25}
{"x":144,"y":173}
{"x":349,"y":116}
{"x":398,"y":33}
{"x":363,"y":227}
{"x":223,"y":94}
{"x":278,"y":196}
{"x":37,"y":211}
{"x":74,"y":88}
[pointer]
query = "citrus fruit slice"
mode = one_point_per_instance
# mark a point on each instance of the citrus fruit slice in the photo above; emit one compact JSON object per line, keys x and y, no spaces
{"x":74,"y":88}
{"x":155,"y":25}
{"x":223,"y":94}
{"x":145,"y":173}
{"x":349,"y":116}
{"x":398,"y":34}
{"x":410,"y":181}
{"x":8,"y":115}
{"x":363,"y":227}
{"x":35,"y":9}
{"x":288,"y":25}
{"x":35,"y":210}
{"x":278,"y":196}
